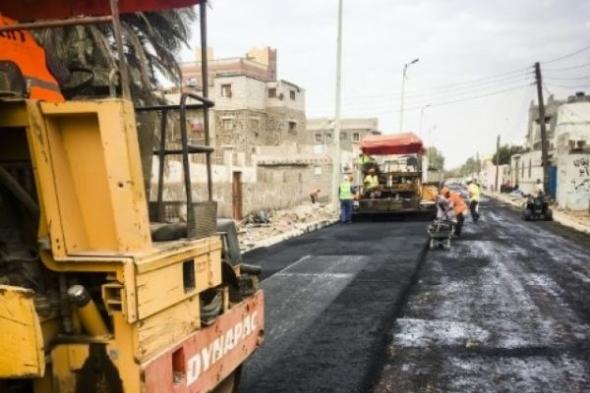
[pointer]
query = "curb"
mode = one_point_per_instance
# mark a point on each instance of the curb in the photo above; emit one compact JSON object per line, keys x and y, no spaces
{"x":311,"y":227}
{"x":559,"y":217}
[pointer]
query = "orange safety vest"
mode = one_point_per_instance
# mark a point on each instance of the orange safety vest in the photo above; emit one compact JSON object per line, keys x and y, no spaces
{"x":459,"y":205}
{"x":22,"y":50}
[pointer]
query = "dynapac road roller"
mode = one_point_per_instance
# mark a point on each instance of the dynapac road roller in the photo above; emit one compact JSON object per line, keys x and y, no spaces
{"x":99,"y":290}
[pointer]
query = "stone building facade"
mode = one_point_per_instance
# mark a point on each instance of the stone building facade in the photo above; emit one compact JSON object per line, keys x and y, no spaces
{"x":568,"y":134}
{"x":258,"y":129}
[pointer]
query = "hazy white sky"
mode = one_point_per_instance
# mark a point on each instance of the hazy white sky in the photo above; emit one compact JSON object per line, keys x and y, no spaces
{"x":457,"y":41}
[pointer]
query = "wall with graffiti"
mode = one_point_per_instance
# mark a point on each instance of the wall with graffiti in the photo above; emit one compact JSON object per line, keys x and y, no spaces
{"x":573,"y":181}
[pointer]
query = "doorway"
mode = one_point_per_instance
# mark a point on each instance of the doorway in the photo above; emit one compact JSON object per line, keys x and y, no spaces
{"x":237,"y":195}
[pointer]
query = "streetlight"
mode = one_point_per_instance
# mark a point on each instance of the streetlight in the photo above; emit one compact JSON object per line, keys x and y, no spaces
{"x":422,"y":116}
{"x":401,"y":111}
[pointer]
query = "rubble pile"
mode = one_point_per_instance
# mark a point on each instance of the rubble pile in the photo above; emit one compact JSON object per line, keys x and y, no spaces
{"x":265,"y":224}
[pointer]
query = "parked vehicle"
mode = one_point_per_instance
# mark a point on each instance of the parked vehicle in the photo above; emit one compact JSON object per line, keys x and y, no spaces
{"x":536,"y":208}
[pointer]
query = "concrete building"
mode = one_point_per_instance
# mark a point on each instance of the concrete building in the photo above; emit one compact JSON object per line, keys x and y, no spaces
{"x":568,"y":134}
{"x":320,"y":133}
{"x":258,"y":129}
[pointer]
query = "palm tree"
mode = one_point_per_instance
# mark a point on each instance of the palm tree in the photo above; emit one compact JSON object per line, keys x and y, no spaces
{"x":152,"y":39}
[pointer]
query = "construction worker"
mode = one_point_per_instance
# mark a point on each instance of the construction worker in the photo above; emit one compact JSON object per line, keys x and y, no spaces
{"x":444,"y":209}
{"x":474,"y":193}
{"x":363,"y":159}
{"x":346,"y":194}
{"x":459,"y":208}
{"x":371,"y":183}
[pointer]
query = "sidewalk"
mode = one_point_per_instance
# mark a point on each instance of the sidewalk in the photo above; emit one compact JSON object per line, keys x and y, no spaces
{"x":578,"y":221}
{"x":283,"y":225}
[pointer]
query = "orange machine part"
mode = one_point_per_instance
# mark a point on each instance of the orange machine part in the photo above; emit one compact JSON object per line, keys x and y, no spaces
{"x":21,"y":49}
{"x":206,"y":357}
{"x":36,"y":10}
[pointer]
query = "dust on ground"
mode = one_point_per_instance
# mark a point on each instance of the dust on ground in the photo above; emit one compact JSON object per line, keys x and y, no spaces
{"x":265,"y":224}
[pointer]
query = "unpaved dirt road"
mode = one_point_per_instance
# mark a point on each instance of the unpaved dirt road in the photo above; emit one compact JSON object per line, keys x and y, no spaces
{"x":363,"y":308}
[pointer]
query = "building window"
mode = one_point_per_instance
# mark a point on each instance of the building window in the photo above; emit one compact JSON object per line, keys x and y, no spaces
{"x":530,"y":168}
{"x":272,"y":92}
{"x":343,"y":135}
{"x":522,"y":169}
{"x":328,"y":137}
{"x":227,"y":124}
{"x":356,"y":136}
{"x":318,"y":137}
{"x":292,"y":95}
{"x":226,"y":90}
{"x":292,"y":127}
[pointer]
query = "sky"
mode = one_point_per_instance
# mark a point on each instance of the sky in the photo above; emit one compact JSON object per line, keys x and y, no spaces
{"x":467,"y":49}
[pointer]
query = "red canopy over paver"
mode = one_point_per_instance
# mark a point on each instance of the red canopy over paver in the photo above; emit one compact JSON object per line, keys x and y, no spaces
{"x":405,"y":143}
{"x":36,"y":10}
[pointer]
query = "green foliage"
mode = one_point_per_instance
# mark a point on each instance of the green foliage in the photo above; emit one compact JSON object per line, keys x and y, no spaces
{"x":151,"y":41}
{"x":505,"y":152}
{"x":435,"y":158}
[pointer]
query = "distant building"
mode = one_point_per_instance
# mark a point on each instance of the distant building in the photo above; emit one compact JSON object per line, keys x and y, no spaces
{"x":568,"y":136}
{"x":320,"y":133}
{"x":258,"y":129}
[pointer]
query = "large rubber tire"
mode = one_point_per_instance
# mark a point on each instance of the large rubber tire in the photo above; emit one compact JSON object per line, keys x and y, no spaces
{"x":230,"y":384}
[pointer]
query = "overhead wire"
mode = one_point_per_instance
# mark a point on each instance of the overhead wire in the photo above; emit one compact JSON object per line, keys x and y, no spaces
{"x":575,"y":67}
{"x":567,"y":56}
{"x":430,"y":96}
{"x":444,"y":103}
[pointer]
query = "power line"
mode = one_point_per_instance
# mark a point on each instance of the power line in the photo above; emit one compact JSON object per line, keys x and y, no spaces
{"x":444,"y":103}
{"x":567,"y":56}
{"x":450,"y":93}
{"x":570,"y":87}
{"x":567,"y":68}
{"x":567,"y":79}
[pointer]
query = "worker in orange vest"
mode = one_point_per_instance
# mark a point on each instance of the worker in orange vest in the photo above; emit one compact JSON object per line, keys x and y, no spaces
{"x":459,"y":207}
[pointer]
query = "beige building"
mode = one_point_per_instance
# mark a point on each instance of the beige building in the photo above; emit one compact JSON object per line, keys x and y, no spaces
{"x":568,"y":134}
{"x":258,"y":129}
{"x":320,"y":133}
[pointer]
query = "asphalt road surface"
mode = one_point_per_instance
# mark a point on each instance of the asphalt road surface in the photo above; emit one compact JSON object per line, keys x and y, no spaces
{"x":366,"y":308}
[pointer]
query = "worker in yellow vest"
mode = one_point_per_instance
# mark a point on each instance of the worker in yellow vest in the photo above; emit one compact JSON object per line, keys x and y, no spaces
{"x":371,"y":183}
{"x":474,"y":192}
{"x":346,"y":196}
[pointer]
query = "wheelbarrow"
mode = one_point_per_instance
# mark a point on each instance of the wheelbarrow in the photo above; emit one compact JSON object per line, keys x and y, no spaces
{"x":441,"y":233}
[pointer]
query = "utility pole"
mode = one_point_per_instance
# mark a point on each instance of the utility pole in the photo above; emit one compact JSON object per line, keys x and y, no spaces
{"x":544,"y":144}
{"x":497,"y":162}
{"x":336,"y":164}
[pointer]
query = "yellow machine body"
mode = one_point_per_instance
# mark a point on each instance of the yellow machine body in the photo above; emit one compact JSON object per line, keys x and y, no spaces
{"x":21,"y":340}
{"x":94,"y":221}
